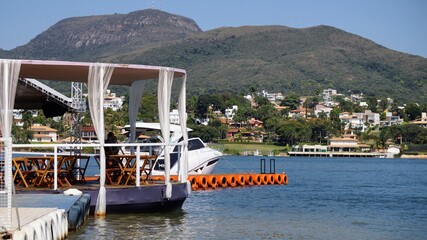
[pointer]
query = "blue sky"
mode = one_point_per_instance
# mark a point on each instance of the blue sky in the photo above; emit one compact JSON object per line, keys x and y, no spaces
{"x":396,"y":24}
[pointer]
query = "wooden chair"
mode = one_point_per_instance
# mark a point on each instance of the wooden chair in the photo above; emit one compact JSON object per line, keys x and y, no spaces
{"x":78,"y":168}
{"x":129,"y":171}
{"x":68,"y":167}
{"x":24,"y":172}
{"x":46,"y":175}
{"x":114,"y":172}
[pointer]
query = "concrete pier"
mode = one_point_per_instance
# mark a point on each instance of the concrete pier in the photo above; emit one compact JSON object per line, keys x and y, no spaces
{"x":47,"y":216}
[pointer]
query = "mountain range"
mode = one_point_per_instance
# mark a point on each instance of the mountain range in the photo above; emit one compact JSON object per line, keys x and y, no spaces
{"x":236,"y":59}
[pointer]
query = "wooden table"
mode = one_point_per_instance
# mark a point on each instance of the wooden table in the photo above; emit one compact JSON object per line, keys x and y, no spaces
{"x":46,"y":170}
{"x":129,"y":169}
{"x":123,"y":168}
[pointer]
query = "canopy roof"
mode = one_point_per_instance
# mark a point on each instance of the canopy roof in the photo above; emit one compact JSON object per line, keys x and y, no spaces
{"x":123,"y":74}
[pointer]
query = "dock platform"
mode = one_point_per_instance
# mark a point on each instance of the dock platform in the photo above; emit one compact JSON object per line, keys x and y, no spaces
{"x":47,"y":216}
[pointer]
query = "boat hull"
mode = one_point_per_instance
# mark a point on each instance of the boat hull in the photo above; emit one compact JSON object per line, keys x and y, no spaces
{"x":141,"y":199}
{"x":131,"y":199}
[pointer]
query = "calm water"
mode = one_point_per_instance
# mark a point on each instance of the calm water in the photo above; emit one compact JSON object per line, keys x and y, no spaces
{"x":326,"y":198}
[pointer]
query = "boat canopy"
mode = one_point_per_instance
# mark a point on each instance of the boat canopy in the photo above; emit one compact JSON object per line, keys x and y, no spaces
{"x":123,"y":74}
{"x":97,"y":76}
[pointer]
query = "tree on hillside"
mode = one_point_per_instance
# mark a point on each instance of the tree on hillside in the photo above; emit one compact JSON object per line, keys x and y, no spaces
{"x":148,"y":112}
{"x":383,"y":104}
{"x":372,"y":104}
{"x":413,"y":111}
{"x":261,"y":101}
{"x":292,"y":132}
{"x":321,"y":130}
{"x":292,"y":101}
{"x":310,"y":103}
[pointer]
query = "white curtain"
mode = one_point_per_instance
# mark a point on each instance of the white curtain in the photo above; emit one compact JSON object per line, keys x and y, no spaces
{"x":9,"y":73}
{"x":163,"y":98}
{"x":98,"y":80}
{"x":183,"y":121}
{"x":136,"y":90}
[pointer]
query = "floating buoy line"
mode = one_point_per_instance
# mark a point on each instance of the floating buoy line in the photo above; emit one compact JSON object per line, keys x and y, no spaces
{"x":227,"y":180}
{"x":214,"y":181}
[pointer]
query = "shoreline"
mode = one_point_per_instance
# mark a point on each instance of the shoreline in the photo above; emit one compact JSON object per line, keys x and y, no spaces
{"x":422,"y":156}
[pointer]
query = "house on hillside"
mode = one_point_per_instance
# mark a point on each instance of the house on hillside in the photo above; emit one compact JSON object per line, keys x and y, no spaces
{"x":319,"y":108}
{"x":43,"y":133}
{"x":421,"y":121}
{"x":328,"y":95}
{"x":391,"y":120}
{"x":230,"y":112}
{"x":89,"y":134}
{"x":112,"y":101}
{"x":359,"y":120}
{"x":298,"y":113}
{"x":255,"y":123}
{"x":231,"y":134}
{"x":272,"y":97}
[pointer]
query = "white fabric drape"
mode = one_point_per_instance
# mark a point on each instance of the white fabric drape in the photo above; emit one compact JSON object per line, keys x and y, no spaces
{"x":183,"y":122}
{"x":98,"y":80}
{"x":136,"y":90}
{"x":9,"y":73}
{"x":163,"y":98}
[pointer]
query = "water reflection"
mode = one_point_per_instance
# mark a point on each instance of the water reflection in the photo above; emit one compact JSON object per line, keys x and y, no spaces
{"x":133,"y":226}
{"x":326,"y":198}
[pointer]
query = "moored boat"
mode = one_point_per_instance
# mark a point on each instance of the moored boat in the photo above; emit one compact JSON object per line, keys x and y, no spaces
{"x":201,"y":158}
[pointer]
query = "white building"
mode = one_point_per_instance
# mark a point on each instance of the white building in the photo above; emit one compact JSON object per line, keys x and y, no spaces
{"x":230,"y":112}
{"x":272,"y":97}
{"x":174,"y":116}
{"x":347,"y":143}
{"x":391,"y":120}
{"x":327,"y":95}
{"x":112,"y":101}
{"x":322,"y":109}
{"x":421,"y":121}
{"x":360,"y":120}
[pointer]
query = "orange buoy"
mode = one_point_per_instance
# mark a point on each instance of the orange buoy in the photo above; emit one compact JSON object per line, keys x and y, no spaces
{"x":231,"y":180}
{"x":249,"y":180}
{"x":270,"y":179}
{"x":278,"y":179}
{"x":240,"y":180}
{"x":257,"y":179}
{"x":201,"y":182}
{"x":193,"y":182}
{"x":285,"y":179}
{"x":212,"y":181}
{"x":222,"y":181}
{"x":264,"y":179}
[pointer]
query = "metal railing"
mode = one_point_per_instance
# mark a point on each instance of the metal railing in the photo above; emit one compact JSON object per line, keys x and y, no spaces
{"x":136,"y":146}
{"x":5,"y":188}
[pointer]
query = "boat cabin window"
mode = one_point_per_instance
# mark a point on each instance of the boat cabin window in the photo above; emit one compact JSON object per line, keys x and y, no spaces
{"x":194,"y":144}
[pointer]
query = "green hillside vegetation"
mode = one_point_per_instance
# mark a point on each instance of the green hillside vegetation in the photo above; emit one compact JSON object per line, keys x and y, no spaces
{"x":274,"y":58}
{"x":288,"y":60}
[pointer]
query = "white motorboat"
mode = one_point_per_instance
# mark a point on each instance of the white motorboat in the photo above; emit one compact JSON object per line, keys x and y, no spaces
{"x":201,"y":158}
